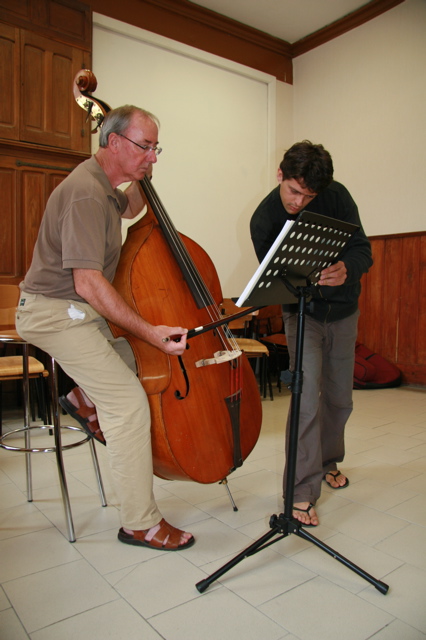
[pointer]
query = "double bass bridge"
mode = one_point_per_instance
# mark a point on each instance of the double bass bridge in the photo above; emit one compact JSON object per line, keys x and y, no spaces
{"x":219,"y":357}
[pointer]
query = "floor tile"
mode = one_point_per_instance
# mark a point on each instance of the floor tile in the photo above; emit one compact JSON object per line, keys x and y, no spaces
{"x":329,"y":611}
{"x":261,"y":577}
{"x":20,"y":520}
{"x":147,"y":589}
{"x":362,"y":523}
{"x":408,"y":545}
{"x":217,"y":614}
{"x":413,"y":510}
{"x":113,"y":620}
{"x":11,"y":627}
{"x":398,"y":629}
{"x":43,"y":598}
{"x":406,"y":597}
{"x":27,"y":554}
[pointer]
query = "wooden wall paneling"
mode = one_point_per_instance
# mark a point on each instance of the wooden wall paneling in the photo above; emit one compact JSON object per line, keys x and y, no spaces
{"x":9,"y":82}
{"x":422,"y":302}
{"x":16,"y":11}
{"x":46,"y":67}
{"x":361,"y":304}
{"x":72,"y":20}
{"x":33,"y":198}
{"x":27,"y":178}
{"x":393,"y":303}
{"x":373,"y":299}
{"x":53,"y":180}
{"x":391,"y":299}
{"x":409,"y":316}
{"x":35,"y":186}
{"x":69,"y":21}
{"x":8,"y":242}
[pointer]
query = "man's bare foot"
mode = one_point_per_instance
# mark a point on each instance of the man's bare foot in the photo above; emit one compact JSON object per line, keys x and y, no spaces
{"x":336,"y":479}
{"x":305,"y":513}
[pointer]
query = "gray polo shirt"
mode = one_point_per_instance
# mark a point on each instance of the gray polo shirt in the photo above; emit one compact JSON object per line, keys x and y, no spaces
{"x":81,"y":228}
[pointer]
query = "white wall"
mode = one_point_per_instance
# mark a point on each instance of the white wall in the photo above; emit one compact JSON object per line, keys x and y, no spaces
{"x":363,"y":96}
{"x":218,"y":132}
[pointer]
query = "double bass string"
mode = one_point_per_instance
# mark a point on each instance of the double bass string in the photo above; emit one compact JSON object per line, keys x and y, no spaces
{"x":199,"y":289}
{"x":196,"y":283}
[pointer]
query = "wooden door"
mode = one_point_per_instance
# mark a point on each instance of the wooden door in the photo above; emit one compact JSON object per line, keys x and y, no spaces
{"x":25,"y":185}
{"x":49,"y":114}
{"x":9,"y":82}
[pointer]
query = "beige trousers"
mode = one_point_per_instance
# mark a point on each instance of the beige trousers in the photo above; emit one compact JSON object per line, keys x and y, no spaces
{"x":81,"y":342}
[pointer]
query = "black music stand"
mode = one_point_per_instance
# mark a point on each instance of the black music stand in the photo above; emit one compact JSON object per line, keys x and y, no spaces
{"x":287,"y":274}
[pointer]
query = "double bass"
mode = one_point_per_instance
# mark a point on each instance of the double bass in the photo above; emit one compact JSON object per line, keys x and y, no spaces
{"x":205,"y":404}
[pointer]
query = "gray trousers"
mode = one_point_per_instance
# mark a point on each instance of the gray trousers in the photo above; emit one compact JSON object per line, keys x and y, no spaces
{"x":81,"y":342}
{"x":326,"y":399}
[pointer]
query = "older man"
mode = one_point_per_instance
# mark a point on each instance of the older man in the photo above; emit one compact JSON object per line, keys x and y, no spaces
{"x":67,"y":298}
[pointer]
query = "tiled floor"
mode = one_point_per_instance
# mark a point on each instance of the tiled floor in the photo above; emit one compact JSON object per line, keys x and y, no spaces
{"x":98,"y":588}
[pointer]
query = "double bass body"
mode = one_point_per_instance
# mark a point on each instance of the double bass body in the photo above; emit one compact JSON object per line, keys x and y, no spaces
{"x":205,"y":420}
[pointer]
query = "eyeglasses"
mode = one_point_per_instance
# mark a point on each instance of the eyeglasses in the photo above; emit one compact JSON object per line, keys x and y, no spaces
{"x":144,"y":147}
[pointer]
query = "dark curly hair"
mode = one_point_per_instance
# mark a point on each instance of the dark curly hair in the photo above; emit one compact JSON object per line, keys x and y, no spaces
{"x":308,"y":163}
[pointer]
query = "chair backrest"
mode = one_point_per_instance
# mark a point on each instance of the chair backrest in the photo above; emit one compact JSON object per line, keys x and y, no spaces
{"x":269,"y":321}
{"x":228,"y":307}
{"x":9,"y":297}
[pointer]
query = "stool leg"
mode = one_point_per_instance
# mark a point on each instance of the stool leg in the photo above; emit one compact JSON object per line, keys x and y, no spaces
{"x":98,"y":473}
{"x":58,"y":451}
{"x":27,"y":420}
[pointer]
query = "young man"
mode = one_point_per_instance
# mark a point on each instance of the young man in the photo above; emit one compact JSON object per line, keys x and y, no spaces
{"x":67,"y":298}
{"x":305,"y":179}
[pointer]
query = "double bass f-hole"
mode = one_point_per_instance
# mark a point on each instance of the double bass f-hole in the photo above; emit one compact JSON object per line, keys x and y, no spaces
{"x":178,"y":394}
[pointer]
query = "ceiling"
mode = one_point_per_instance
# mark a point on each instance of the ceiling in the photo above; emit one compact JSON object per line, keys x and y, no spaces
{"x":289,"y":20}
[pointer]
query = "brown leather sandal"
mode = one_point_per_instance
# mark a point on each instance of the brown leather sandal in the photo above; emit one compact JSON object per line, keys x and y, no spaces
{"x":158,"y":540}
{"x":82,"y":414}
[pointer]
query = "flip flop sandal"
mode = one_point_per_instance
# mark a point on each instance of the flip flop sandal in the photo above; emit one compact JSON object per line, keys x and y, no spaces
{"x":159,"y":539}
{"x":305,"y":511}
{"x":335,"y":474}
{"x":82,"y":414}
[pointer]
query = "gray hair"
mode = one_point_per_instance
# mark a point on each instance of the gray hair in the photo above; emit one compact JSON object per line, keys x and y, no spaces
{"x":118,"y":120}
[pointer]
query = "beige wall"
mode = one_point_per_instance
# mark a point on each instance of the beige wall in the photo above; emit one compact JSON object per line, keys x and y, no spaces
{"x":363,"y":95}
